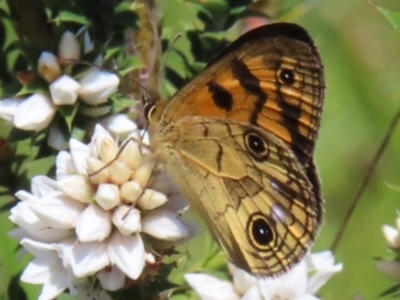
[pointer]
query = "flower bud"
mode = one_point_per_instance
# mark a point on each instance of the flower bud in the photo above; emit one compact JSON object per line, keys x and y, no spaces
{"x":143,"y":174}
{"x":131,"y":155}
{"x":127,"y":219}
{"x":119,"y":172}
{"x":107,"y":196}
{"x":119,"y":125}
{"x":151,"y":199}
{"x":97,"y":86}
{"x":64,"y":90}
{"x":130,"y":191}
{"x":96,"y":176}
{"x":68,"y":48}
{"x":48,"y":67}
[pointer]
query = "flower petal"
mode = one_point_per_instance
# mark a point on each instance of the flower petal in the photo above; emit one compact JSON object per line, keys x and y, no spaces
{"x":127,"y":253}
{"x":46,"y":268}
{"x":97,"y":86}
{"x":164,"y":224}
{"x":119,"y":125}
{"x":93,"y":224}
{"x":79,"y":155}
{"x":43,"y":185}
{"x":57,"y":210}
{"x":89,"y":258}
{"x":64,"y":90}
{"x":64,"y":165}
{"x":111,"y":279}
{"x":127,"y":219}
{"x":392,"y":236}
{"x":27,"y":117}
{"x":8,"y":108}
{"x":89,"y":291}
{"x":56,"y":139}
{"x":211,"y":288}
{"x":77,"y":187}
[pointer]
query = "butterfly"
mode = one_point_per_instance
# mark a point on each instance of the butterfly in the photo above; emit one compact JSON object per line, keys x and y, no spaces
{"x":238,"y":140}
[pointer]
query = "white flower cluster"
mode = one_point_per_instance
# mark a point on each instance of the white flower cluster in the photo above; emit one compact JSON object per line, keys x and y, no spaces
{"x":88,"y":222}
{"x":36,"y":112}
{"x":392,"y":236}
{"x":300,"y":283}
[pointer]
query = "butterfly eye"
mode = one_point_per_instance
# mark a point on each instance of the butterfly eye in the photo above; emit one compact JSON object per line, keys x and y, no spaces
{"x":286,"y":76}
{"x":256,"y":145}
{"x":261,"y":233}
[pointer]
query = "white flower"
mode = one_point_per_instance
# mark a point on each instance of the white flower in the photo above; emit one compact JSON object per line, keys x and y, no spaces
{"x":300,"y":283}
{"x":48,"y":67}
{"x":119,"y":125}
{"x":64,"y":90}
{"x":8,"y":108}
{"x":34,"y":113}
{"x":68,"y":49}
{"x":97,"y":86}
{"x":85,"y":221}
{"x":56,"y":138}
{"x":392,"y":236}
{"x":47,"y":269}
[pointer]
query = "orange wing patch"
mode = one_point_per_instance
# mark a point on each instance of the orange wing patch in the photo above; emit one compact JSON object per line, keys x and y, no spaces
{"x":272,"y":78}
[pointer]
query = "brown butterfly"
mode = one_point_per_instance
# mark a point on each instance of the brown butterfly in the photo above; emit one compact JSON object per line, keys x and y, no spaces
{"x":238,"y":140}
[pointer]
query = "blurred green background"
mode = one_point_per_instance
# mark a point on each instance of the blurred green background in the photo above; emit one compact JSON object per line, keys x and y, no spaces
{"x":360,"y":50}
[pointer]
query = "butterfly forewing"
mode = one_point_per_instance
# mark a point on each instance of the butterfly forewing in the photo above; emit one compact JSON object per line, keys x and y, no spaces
{"x":271,"y":77}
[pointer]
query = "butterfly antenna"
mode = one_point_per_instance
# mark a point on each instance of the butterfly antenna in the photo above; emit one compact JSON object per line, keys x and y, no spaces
{"x":177,"y":37}
{"x":366,"y":180}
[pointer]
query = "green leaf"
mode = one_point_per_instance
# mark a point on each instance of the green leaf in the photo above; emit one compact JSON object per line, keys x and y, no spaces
{"x":14,"y":290}
{"x":129,"y":64}
{"x":393,"y":187}
{"x":78,"y":134}
{"x":69,"y":112}
{"x":68,"y":16}
{"x":120,"y":103}
{"x":127,"y":6}
{"x":392,"y":16}
{"x":394,"y":290}
{"x":36,"y":85}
